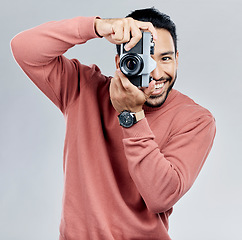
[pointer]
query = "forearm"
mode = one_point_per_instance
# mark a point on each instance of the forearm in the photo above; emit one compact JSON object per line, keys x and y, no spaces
{"x":163,"y":176}
{"x":154,"y":176}
{"x":40,"y":45}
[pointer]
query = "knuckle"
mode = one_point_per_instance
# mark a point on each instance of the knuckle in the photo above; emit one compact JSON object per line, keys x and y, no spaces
{"x":125,"y":20}
{"x":130,"y":19}
{"x":150,"y":24}
{"x":117,"y":38}
{"x":119,"y":23}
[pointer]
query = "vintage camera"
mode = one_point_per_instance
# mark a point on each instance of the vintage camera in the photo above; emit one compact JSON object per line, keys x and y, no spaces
{"x":136,"y":64}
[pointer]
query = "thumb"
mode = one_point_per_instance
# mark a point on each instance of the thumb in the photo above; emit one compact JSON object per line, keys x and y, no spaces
{"x":150,"y":89}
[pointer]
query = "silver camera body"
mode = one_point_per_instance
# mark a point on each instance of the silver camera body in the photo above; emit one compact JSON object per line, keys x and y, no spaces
{"x":137,"y":63}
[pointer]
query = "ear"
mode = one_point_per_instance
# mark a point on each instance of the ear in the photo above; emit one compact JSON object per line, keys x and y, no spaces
{"x":117,"y":61}
{"x":177,"y":56}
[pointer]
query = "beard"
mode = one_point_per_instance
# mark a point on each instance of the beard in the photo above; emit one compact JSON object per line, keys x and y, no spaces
{"x":166,"y":93}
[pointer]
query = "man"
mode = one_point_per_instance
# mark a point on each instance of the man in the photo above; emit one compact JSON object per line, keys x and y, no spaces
{"x":120,"y":183}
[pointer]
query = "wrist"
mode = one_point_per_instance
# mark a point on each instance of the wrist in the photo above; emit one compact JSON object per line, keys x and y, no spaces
{"x":96,"y":26}
{"x":127,"y":118}
{"x":139,"y":115}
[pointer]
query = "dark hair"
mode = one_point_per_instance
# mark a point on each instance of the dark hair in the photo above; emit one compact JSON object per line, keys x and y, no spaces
{"x":158,"y":19}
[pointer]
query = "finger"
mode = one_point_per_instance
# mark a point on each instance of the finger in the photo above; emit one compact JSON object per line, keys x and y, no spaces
{"x":126,"y":84}
{"x":126,"y":32}
{"x":118,"y":31}
{"x":136,"y":36}
{"x":149,"y":90}
{"x":149,"y":27}
{"x":116,"y":82}
{"x":135,"y":29}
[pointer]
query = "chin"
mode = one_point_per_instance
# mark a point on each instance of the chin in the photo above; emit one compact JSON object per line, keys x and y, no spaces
{"x":157,"y":101}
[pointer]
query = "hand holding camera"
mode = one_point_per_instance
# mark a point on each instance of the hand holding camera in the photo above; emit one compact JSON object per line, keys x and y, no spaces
{"x":123,"y":30}
{"x":126,"y":96}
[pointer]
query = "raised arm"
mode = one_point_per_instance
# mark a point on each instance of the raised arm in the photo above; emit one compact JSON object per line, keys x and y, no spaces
{"x":39,"y":52}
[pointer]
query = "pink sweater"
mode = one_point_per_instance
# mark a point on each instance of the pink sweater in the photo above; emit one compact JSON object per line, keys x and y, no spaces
{"x":118,"y":183}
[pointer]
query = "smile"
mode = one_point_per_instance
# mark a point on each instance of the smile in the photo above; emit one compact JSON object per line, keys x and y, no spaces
{"x":159,"y":88}
{"x":159,"y":85}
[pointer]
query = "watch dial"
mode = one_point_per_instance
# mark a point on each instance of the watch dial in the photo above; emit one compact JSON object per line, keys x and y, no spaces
{"x":126,"y":119}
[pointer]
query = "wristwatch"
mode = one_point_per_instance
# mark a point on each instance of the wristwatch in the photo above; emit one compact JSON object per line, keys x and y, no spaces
{"x":128,"y":119}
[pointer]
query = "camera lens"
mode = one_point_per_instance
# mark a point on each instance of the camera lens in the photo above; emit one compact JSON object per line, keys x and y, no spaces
{"x":131,"y":64}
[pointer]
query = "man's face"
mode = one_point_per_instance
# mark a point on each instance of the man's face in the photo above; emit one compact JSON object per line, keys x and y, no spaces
{"x":166,"y":70}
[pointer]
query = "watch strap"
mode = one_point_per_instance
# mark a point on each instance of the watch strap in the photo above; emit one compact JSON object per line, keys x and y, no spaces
{"x":139,"y":115}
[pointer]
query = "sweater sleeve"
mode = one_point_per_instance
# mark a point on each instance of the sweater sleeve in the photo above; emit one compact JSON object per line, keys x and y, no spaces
{"x":39,"y":52}
{"x":163,"y":176}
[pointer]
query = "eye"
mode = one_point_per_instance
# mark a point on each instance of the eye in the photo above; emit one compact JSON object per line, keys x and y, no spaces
{"x":166,"y":59}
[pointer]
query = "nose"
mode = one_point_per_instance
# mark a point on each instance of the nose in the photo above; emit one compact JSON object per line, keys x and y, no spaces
{"x":157,"y":73}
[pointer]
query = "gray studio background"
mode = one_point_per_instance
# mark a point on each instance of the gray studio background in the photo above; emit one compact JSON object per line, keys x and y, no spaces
{"x":32,"y":129}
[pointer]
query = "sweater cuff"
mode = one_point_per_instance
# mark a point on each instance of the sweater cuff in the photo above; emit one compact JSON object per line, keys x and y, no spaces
{"x":86,"y":28}
{"x":139,"y":130}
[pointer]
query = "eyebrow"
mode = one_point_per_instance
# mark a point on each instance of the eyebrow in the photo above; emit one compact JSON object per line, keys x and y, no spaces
{"x":167,"y":53}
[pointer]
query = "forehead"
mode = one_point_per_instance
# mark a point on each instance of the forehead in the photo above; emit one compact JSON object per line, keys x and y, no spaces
{"x":164,"y":41}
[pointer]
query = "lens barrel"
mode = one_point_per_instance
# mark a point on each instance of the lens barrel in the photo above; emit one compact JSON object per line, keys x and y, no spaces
{"x":131,"y":64}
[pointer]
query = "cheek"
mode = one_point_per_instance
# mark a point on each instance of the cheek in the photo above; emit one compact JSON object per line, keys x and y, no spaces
{"x":170,"y":69}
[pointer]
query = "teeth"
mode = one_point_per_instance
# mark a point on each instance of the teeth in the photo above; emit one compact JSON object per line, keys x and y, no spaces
{"x":157,"y":86}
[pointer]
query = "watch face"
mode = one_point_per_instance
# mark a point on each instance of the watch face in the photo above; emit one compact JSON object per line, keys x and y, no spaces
{"x":126,"y":119}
